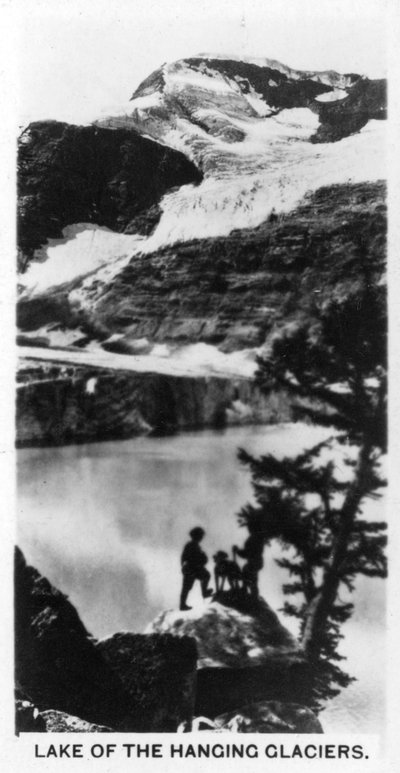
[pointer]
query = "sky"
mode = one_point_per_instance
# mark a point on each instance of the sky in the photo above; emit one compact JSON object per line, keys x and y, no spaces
{"x":76,"y":60}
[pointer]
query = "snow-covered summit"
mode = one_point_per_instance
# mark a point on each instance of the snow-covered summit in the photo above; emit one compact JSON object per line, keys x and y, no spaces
{"x":260,"y":133}
{"x":255,"y":137}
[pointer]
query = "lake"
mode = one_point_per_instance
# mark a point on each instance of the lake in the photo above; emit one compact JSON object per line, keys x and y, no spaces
{"x":106,"y":522}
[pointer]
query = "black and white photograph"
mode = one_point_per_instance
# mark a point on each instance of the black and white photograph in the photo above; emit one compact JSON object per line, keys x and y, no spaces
{"x":201,"y":381}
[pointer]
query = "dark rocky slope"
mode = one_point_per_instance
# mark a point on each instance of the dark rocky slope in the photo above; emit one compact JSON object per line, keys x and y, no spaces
{"x":367,"y":100}
{"x":231,"y":291}
{"x":56,"y":663}
{"x":59,"y":667}
{"x":72,"y":174}
{"x":277,"y":88}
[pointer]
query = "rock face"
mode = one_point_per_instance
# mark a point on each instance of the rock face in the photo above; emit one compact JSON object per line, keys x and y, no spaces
{"x":71,"y":684}
{"x":244,"y":655}
{"x":72,"y":174}
{"x":28,"y":718}
{"x":60,"y":722}
{"x":56,"y":663}
{"x":366,"y":100}
{"x":56,"y":408}
{"x":159,"y":673}
{"x":270,"y":717}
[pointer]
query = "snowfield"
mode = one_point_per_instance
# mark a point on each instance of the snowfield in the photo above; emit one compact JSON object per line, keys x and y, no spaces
{"x":273,"y":168}
{"x":197,"y":360}
{"x":84,"y":249}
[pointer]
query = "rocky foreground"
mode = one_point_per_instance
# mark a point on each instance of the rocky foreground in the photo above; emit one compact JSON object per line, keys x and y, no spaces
{"x":228,"y":666}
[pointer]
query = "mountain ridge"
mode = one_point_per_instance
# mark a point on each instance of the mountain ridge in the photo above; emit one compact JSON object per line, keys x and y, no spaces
{"x":198,"y":217}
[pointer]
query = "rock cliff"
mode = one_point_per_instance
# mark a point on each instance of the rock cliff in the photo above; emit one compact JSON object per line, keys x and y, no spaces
{"x":59,"y":404}
{"x":71,"y":174}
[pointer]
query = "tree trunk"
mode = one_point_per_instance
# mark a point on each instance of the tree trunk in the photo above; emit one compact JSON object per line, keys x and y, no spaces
{"x":319,"y":609}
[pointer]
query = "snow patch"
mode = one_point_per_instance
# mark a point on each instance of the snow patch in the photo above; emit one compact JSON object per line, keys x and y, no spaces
{"x":193,"y":360}
{"x":84,"y":249}
{"x":258,"y":104}
{"x":90,"y":387}
{"x":56,"y":335}
{"x":189,"y":77}
{"x":332,"y":96}
{"x":149,"y":101}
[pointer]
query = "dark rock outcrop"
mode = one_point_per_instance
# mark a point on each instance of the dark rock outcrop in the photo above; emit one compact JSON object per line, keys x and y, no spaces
{"x":284,"y":678}
{"x":270,"y":717}
{"x":159,"y":673}
{"x":69,"y":683}
{"x":72,"y":174}
{"x":57,"y":408}
{"x":56,"y":662}
{"x":277,"y":88}
{"x":245,"y":655}
{"x":60,"y":722}
{"x":28,"y":718}
{"x":366,"y":100}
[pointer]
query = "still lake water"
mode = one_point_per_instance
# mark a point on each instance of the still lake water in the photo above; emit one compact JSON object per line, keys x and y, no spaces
{"x":106,"y":522}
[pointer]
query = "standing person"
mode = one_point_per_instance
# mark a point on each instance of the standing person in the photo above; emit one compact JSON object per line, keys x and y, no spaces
{"x":193,"y":561}
{"x":253,"y":553}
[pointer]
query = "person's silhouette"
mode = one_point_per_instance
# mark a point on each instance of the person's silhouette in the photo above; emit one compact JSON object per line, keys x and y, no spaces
{"x":193,"y":561}
{"x":253,"y":553}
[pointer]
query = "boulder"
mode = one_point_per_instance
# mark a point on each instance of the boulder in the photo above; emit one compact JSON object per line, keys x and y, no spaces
{"x":60,"y":722}
{"x":159,"y":674}
{"x":227,"y":636}
{"x":28,"y":718}
{"x":245,"y":653}
{"x":270,"y":717}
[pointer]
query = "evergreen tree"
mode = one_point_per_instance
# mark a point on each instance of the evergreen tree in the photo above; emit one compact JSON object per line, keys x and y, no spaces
{"x":332,"y":359}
